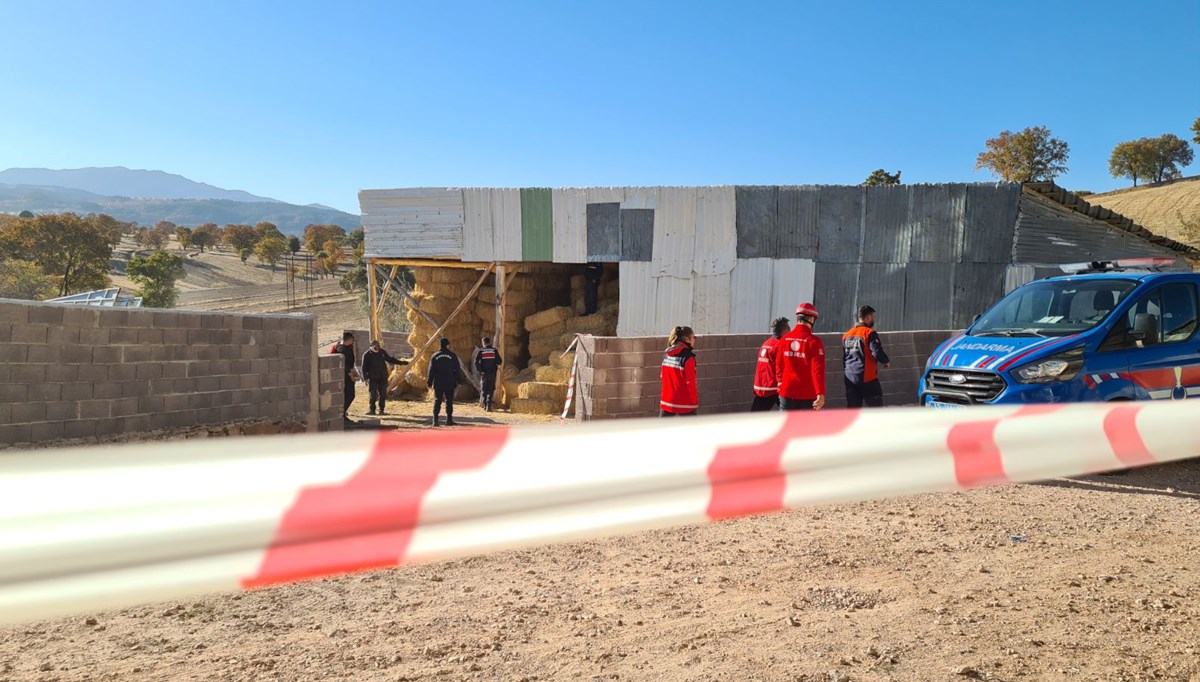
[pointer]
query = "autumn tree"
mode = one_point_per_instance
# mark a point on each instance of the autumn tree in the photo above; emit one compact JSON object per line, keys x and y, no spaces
{"x":294,"y":244}
{"x":270,"y":250}
{"x":881,"y":177}
{"x":1031,"y":155}
{"x":150,"y":238}
{"x":206,"y":235}
{"x":24,"y":280}
{"x":239,"y":237}
{"x":1133,"y":159}
{"x":315,"y":236}
{"x":183,"y":235}
{"x":1170,"y":154}
{"x":359,"y":235}
{"x":1196,"y":130}
{"x":73,"y":249}
{"x":156,"y":274}
{"x":25,"y":214}
{"x":245,"y":255}
{"x":266,"y":229}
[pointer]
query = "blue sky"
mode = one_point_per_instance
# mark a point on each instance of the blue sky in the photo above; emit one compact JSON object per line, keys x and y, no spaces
{"x":311,"y":101}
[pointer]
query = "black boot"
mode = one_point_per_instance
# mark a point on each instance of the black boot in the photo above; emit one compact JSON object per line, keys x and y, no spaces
{"x":450,"y":420}
{"x":436,"y":421}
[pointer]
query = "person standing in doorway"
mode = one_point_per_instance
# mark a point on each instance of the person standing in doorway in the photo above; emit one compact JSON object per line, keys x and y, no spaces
{"x":487,"y":363}
{"x":593,"y":273}
{"x":375,"y":369}
{"x":862,"y":355}
{"x":346,"y":349}
{"x":680,"y":396}
{"x":766,"y":377}
{"x":444,"y":378}
{"x":800,"y":363}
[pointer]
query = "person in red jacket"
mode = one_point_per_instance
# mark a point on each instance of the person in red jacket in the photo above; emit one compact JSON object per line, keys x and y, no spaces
{"x":680,"y":397}
{"x":800,"y":363}
{"x":766,"y":379}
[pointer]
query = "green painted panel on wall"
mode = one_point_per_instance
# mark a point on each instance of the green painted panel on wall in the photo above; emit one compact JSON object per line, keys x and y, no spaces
{"x":537,"y":225}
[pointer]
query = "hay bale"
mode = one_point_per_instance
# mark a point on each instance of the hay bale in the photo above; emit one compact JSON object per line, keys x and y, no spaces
{"x":535,"y":407}
{"x":560,"y":361}
{"x":542,"y":349}
{"x":547,"y":318}
{"x":486,"y":294}
{"x":553,"y":375}
{"x":610,"y":289}
{"x":578,"y":282}
{"x":535,"y":390}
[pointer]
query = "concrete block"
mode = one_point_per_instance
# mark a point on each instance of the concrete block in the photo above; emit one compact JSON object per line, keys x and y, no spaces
{"x":106,"y":355}
{"x":29,"y":411}
{"x":175,"y":337}
{"x":222,"y":337}
{"x":13,"y":434}
{"x":181,"y":419}
{"x":131,"y":354}
{"x":219,"y":367}
{"x":222,"y":398}
{"x":200,"y":401}
{"x":106,"y":390}
{"x":5,"y":333}
{"x":163,"y":386}
{"x":123,"y":335}
{"x":62,"y":374}
{"x":14,"y":353}
{"x":230,"y":383}
{"x":94,"y":409}
{"x":135,"y":389}
{"x":165,"y":320}
{"x":46,"y":431}
{"x":197,"y":337}
{"x":120,"y":373}
{"x":208,"y":384}
{"x":29,"y":374}
{"x":61,"y":410}
{"x":124,"y":407}
{"x":80,"y":317}
{"x":206,"y":352}
{"x":200,"y":368}
{"x":134,"y":424}
{"x":47,"y":314}
{"x":211,"y":415}
{"x":150,"y":336}
{"x":174,"y":370}
{"x":61,"y":336}
{"x":30,"y":333}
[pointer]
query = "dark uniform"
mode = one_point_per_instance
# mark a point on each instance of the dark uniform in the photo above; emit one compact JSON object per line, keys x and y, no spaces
{"x":347,"y":390}
{"x":444,"y":378}
{"x":862,"y":353}
{"x":487,"y":363}
{"x":591,"y":292}
{"x":374,"y":369}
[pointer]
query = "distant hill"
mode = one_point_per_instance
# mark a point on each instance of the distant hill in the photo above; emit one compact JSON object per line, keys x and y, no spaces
{"x":118,"y":181}
{"x":1155,"y":207}
{"x":290,"y":218}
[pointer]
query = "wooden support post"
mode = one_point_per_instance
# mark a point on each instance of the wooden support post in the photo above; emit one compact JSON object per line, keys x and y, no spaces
{"x":372,"y":302}
{"x":438,"y":332}
{"x":501,"y":347}
{"x":387,"y":288}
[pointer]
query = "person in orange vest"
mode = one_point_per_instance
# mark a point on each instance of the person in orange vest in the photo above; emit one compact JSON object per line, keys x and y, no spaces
{"x":680,"y":397}
{"x":862,"y":354}
{"x":800,"y":364}
{"x":766,"y":380}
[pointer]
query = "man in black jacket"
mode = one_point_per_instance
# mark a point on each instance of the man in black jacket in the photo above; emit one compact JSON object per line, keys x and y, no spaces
{"x":346,"y":349}
{"x":374,"y":369}
{"x":444,"y":378}
{"x":487,"y":362}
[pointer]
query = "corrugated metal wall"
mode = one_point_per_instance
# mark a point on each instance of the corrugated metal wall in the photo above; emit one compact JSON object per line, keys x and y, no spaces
{"x":425,"y":222}
{"x":928,"y":297}
{"x":477,"y":225}
{"x":638,"y":300}
{"x":882,"y":286}
{"x":715,"y":232}
{"x":569,"y":208}
{"x":792,"y":283}
{"x":750,"y":294}
{"x":673,"y":303}
{"x":537,"y":225}
{"x":506,"y":224}
{"x":674,"y":249}
{"x":711,"y":304}
{"x":604,"y":231}
{"x":1048,"y":232}
{"x":637,"y":233}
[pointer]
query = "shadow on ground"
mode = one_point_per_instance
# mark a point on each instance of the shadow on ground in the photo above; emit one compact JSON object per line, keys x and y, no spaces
{"x":1175,"y":479}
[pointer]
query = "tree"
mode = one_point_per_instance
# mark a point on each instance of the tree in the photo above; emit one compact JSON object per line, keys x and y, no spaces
{"x":270,"y":250}
{"x":1196,"y":130}
{"x":24,"y":280}
{"x":73,"y":249}
{"x":333,"y":256}
{"x":1133,"y":159}
{"x":265,"y":229}
{"x":29,"y":214}
{"x":315,"y":236}
{"x":245,"y":255}
{"x":206,"y":235}
{"x":157,"y":274}
{"x":1031,"y":155}
{"x":294,"y":244}
{"x":359,"y":235}
{"x":239,"y":237}
{"x":356,"y":278}
{"x":881,"y":177}
{"x":1170,"y":153}
{"x":184,"y":236}
{"x":150,"y":238}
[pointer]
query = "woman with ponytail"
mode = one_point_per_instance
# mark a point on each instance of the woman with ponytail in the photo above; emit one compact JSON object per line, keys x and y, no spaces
{"x":680,"y":397}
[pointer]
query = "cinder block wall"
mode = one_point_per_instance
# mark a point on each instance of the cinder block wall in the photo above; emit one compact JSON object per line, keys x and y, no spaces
{"x":619,"y":377}
{"x":395,"y":343}
{"x":82,"y":372}
{"x":332,"y":378}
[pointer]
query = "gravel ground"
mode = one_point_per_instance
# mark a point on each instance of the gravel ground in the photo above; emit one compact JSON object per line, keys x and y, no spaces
{"x":1083,"y":579}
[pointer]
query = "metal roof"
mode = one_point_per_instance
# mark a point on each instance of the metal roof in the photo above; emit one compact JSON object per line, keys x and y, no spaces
{"x":107,"y":298}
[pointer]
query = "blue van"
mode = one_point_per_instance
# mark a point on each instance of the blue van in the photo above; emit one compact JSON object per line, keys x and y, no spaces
{"x":1112,"y":330}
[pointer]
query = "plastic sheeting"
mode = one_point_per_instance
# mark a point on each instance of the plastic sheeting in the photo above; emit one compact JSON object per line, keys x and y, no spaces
{"x":675,"y":233}
{"x":839,"y":224}
{"x":506,"y":225}
{"x":750,"y":307}
{"x":715,"y":232}
{"x":888,"y":230}
{"x":796,"y":223}
{"x":711,"y":304}
{"x":639,"y":298}
{"x":927,"y":297}
{"x":881,"y":286}
{"x":477,"y":225}
{"x":569,"y":213}
{"x":991,"y":220}
{"x":537,"y":225}
{"x":419,"y":222}
{"x":604,"y":232}
{"x":637,"y":234}
{"x":938,"y":217}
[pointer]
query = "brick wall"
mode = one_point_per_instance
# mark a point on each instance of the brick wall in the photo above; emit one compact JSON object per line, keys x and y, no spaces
{"x":332,"y":386}
{"x":619,"y":377}
{"x":395,"y":343}
{"x":81,"y":372}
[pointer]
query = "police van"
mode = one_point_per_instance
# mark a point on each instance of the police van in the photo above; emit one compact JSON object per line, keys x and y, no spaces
{"x":1111,"y":330}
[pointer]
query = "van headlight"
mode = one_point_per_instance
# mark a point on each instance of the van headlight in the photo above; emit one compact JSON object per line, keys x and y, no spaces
{"x":1061,"y":367}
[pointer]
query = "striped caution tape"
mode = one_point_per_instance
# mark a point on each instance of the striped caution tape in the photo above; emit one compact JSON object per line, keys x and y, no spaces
{"x":90,"y":528}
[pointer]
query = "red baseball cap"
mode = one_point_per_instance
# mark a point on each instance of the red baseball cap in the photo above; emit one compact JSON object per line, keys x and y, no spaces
{"x":807,"y":309}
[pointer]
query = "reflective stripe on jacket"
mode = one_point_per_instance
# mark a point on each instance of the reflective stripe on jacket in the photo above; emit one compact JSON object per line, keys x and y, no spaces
{"x":766,"y":378}
{"x":862,"y":351}
{"x":679,"y":392}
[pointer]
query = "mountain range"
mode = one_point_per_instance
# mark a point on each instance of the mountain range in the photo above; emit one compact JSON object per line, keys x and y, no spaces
{"x":148,"y":196}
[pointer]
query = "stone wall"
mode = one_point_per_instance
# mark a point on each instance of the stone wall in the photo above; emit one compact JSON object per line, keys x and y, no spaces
{"x":331,"y":389}
{"x":91,"y":374}
{"x":619,"y":377}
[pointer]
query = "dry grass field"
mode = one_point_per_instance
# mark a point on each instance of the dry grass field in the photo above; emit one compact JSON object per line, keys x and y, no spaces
{"x":1155,"y":207}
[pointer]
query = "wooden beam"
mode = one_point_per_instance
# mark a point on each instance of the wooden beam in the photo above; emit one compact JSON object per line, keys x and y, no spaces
{"x":412,"y":303}
{"x":418,"y":263}
{"x":438,"y":332}
{"x":501,"y":347}
{"x":387,"y":288}
{"x":372,"y":297}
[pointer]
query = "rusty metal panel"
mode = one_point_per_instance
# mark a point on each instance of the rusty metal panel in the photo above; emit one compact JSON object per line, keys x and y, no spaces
{"x":938,"y":214}
{"x":756,"y":222}
{"x":711,"y":304}
{"x":991,"y":221}
{"x":750,"y":308}
{"x":928,"y":297}
{"x":882,"y":286}
{"x":839,"y":224}
{"x":887,"y":228}
{"x":412,"y":223}
{"x":796,"y":223}
{"x":477,"y":225}
{"x":836,"y":294}
{"x":638,"y":297}
{"x":675,"y":233}
{"x":976,"y":287}
{"x":569,"y":208}
{"x":716,"y":234}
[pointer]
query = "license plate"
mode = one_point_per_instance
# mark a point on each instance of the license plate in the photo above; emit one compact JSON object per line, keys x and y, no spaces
{"x":943,"y":406}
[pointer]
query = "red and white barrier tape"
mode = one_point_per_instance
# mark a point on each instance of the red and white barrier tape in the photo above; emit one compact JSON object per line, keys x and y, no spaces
{"x":89,"y":528}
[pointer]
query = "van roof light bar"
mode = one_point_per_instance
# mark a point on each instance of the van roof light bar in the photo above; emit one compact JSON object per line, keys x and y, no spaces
{"x":1148,"y":264}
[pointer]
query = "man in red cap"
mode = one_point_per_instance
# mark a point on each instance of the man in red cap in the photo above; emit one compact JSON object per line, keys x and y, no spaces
{"x":801,"y":364}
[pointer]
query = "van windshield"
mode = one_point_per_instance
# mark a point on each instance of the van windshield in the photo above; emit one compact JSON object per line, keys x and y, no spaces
{"x":1054,"y":308}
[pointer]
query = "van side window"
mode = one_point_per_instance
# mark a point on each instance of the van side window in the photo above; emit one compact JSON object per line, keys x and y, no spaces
{"x":1178,"y":312}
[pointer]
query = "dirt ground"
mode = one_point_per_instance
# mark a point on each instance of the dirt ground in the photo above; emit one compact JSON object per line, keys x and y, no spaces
{"x":1084,"y":579}
{"x":417,"y":414}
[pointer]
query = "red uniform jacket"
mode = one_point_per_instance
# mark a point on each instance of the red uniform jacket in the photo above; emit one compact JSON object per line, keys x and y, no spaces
{"x":766,"y":377}
{"x":679,"y":392}
{"x":801,"y":365}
